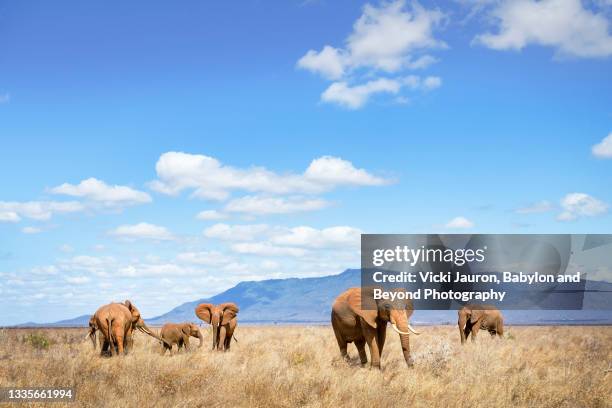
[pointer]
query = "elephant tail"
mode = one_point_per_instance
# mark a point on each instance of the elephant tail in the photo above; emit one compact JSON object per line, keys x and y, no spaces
{"x":109,"y":323}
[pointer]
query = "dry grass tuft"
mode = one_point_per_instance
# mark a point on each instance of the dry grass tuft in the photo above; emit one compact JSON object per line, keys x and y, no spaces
{"x":300,"y":366}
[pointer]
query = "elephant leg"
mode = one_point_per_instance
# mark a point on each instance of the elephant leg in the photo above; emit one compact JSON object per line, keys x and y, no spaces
{"x":165,"y":348}
{"x":463,"y":333}
{"x":363,"y":357}
{"x":475,"y":329}
{"x":467,"y":330}
{"x":372,"y":339}
{"x":382,"y":335}
{"x":104,"y":347}
{"x":186,"y":342}
{"x":228,"y":340}
{"x":222,"y":334}
{"x":342,"y":343}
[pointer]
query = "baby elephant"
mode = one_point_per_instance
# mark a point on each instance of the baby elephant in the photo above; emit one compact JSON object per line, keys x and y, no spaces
{"x":179,"y":333}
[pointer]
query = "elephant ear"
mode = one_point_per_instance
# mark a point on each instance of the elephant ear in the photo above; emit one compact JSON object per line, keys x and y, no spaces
{"x":203,"y":311}
{"x":128,"y":304}
{"x":230,"y":310}
{"x":186,"y":329}
{"x":476,"y":315}
{"x":363,"y":305}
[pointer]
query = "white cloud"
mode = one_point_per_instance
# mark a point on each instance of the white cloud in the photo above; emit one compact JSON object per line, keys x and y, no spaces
{"x":329,"y":62}
{"x":210,"y":179}
{"x":31,"y":230}
{"x":77,"y":280}
{"x":355,"y":97}
{"x":580,"y":204}
{"x":565,"y":25}
{"x":142,"y":230}
{"x":603,"y":149}
{"x":9,"y":216}
{"x":389,"y":38}
{"x":304,"y":236}
{"x":65,"y":248}
{"x":209,"y":258}
{"x":37,"y":210}
{"x":258,"y":205}
{"x":98,"y":191}
{"x":267,"y":249}
{"x":247,"y":232}
{"x":459,"y":223}
{"x":210,"y":215}
{"x":383,"y":38}
{"x":539,"y":207}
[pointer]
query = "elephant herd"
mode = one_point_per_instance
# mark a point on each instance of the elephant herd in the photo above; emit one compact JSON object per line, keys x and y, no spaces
{"x":356,"y":317}
{"x":117,"y":322}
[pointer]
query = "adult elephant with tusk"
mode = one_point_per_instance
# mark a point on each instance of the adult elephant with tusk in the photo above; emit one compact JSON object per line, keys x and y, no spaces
{"x":179,"y":333}
{"x":223,"y":320}
{"x":358,"y":318}
{"x":116,"y":322}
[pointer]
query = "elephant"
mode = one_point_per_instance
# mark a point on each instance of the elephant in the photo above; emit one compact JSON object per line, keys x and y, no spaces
{"x":93,"y":329}
{"x":223,"y":319}
{"x":179,"y":333}
{"x":472,"y":318}
{"x":116,"y":322}
{"x":353,"y":323}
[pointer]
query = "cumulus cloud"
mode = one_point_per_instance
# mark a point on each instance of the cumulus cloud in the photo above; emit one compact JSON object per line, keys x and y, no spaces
{"x":330,"y":62}
{"x":459,"y":223}
{"x":36,"y":210}
{"x":142,"y":230}
{"x":9,"y":216}
{"x":247,"y":232}
{"x":354,"y":97}
{"x":210,"y":179}
{"x":565,"y":25}
{"x":603,"y":149}
{"x":97,"y":191}
{"x":208,"y":215}
{"x":390,"y":38}
{"x":383,"y":38}
{"x":581,"y":205}
{"x":31,"y":230}
{"x":539,"y":207}
{"x":258,"y":205}
{"x":267,"y":249}
{"x":209,"y":258}
{"x":77,"y":280}
{"x":304,"y":236}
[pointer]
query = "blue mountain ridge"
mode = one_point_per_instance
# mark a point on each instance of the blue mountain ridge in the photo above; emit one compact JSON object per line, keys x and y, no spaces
{"x":309,"y":300}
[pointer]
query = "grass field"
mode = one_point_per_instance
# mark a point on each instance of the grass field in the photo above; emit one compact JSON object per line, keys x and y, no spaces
{"x":300,"y":366}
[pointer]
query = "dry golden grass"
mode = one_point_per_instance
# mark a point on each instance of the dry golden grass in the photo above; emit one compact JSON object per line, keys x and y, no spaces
{"x":300,"y":366}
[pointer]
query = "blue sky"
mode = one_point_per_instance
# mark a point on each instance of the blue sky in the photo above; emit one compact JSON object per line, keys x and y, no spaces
{"x":296,"y":125}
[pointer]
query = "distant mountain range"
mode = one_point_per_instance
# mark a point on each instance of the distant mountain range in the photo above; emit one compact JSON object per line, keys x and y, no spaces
{"x":308,"y":301}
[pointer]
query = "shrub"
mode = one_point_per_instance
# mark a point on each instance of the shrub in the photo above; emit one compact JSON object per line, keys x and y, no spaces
{"x":37,"y":340}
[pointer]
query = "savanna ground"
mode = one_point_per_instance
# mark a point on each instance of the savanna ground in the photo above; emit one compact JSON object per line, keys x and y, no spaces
{"x":300,"y":366}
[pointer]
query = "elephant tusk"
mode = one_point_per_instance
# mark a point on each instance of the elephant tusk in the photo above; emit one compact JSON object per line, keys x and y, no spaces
{"x":398,"y":330}
{"x":412,"y":330}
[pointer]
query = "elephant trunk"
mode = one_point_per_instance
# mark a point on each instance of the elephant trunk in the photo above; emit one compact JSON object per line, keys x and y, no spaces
{"x":461,"y":323}
{"x":215,"y":324}
{"x":401,"y":325}
{"x":92,"y":336}
{"x":146,"y":330}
